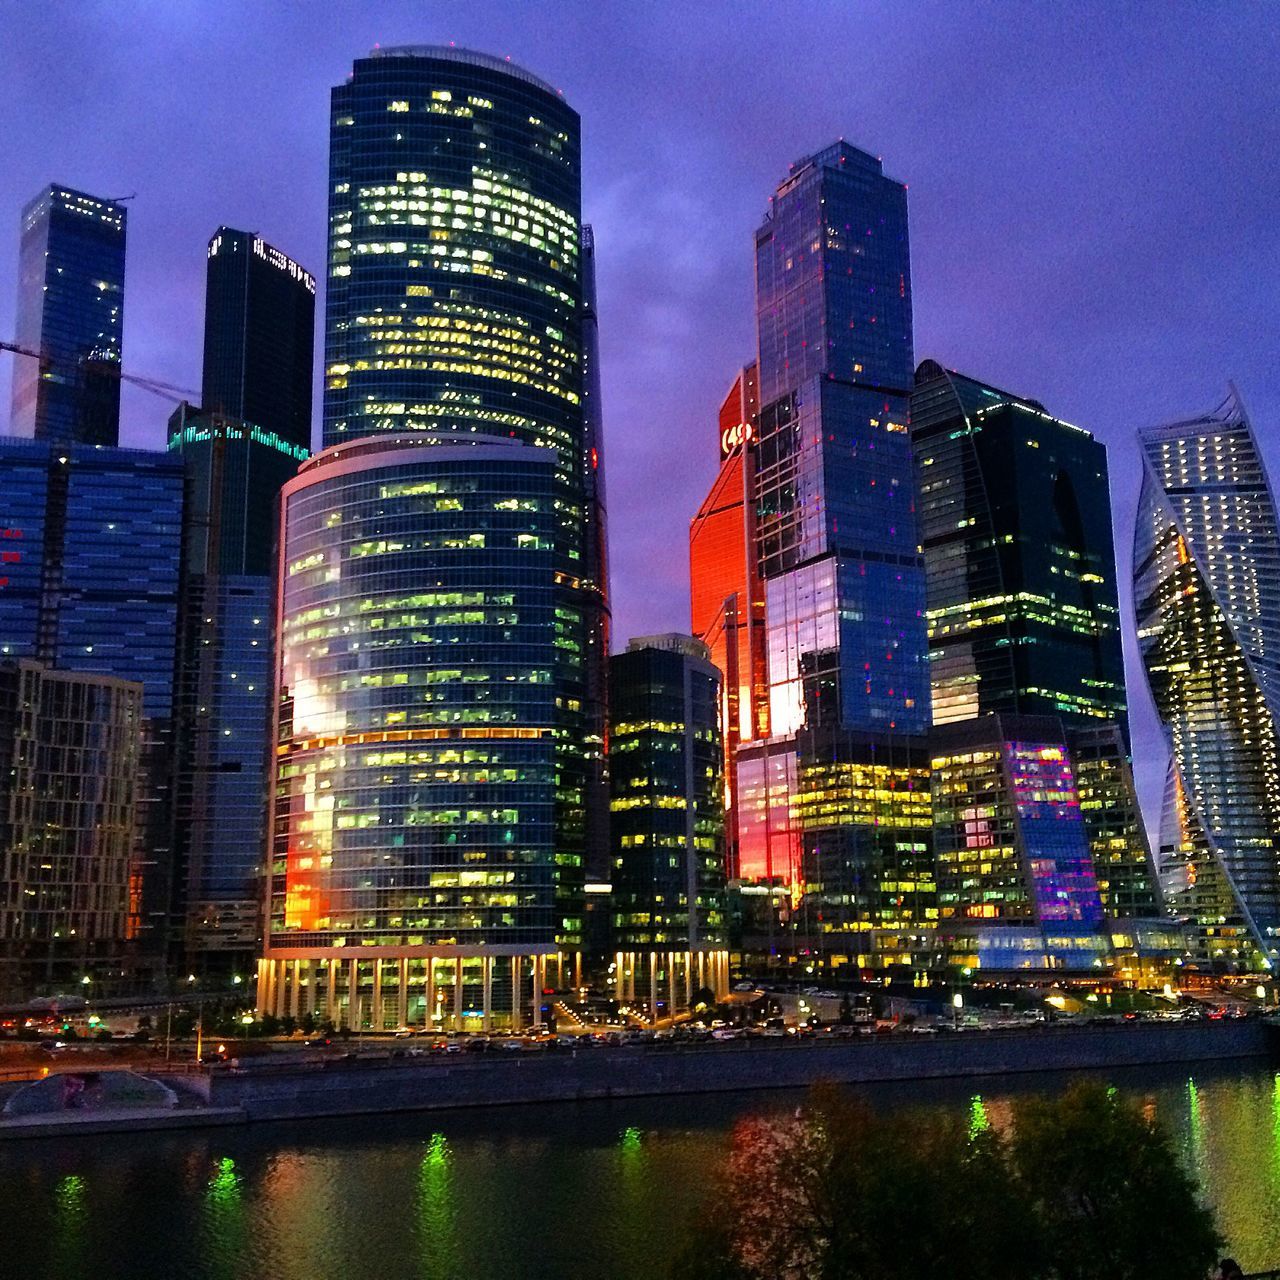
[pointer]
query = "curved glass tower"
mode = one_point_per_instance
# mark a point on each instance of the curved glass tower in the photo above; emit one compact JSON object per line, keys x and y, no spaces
{"x":1207,"y":597}
{"x":413,"y":877}
{"x":457,"y":303}
{"x":455,"y":281}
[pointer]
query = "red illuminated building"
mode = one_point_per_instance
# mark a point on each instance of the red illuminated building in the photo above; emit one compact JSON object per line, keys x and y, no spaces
{"x":727,"y":614}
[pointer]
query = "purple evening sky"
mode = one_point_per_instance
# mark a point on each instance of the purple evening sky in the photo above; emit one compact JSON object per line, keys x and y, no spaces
{"x":1093,"y":195}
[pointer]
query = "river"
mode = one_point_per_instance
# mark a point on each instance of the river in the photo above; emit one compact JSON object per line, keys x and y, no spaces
{"x":565,"y":1191}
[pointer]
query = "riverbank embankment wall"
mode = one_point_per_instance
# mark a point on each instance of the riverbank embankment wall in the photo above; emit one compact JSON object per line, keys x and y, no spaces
{"x":354,"y":1086}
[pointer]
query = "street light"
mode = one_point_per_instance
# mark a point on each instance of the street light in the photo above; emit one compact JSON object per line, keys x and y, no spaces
{"x":957,"y":1003}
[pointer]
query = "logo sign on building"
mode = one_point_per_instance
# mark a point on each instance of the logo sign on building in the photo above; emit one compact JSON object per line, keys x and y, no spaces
{"x":733,"y":438}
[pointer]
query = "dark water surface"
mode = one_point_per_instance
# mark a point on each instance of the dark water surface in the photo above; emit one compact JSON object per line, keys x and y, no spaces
{"x":565,"y":1191}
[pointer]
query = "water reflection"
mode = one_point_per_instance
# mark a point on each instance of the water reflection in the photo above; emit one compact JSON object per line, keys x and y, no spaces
{"x":437,"y":1213}
{"x":565,"y":1192}
{"x":222,"y":1238}
{"x":70,"y":1224}
{"x":978,"y":1118}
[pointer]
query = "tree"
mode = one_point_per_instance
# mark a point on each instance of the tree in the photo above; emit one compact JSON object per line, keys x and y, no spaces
{"x":1081,"y":1187}
{"x":839,"y":1192}
{"x":1106,"y":1184}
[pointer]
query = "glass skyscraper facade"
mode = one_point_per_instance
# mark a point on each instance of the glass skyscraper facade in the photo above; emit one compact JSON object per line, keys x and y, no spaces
{"x":458,"y":302}
{"x":413,"y":828}
{"x":835,"y":523}
{"x":71,"y":311}
{"x":70,"y":747}
{"x":90,"y":563}
{"x":235,"y":471}
{"x":861,"y":812}
{"x":259,"y":336}
{"x":1015,"y":524}
{"x":239,"y":450}
{"x":1207,"y":598}
{"x":1016,"y":884}
{"x":667,"y":817}
{"x":727,"y":603}
{"x":836,"y":549}
{"x":1015,"y":521}
{"x":90,"y":552}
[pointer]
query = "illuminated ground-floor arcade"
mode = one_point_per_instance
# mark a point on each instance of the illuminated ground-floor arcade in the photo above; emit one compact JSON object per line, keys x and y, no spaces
{"x":656,"y":984}
{"x":429,"y":988}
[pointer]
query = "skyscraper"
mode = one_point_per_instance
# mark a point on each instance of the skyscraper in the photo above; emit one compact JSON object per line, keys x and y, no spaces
{"x":91,"y":552}
{"x":836,"y":526}
{"x":1207,"y":596}
{"x":235,"y":471}
{"x":259,"y":338}
{"x":727,"y":602}
{"x":458,"y":303}
{"x":1015,"y":523}
{"x":70,"y":310}
{"x":90,"y":561}
{"x":668,"y":823}
{"x":414,"y":845}
{"x":1016,"y":884}
{"x":836,"y":549}
{"x":70,"y":748}
{"x":455,"y":293}
{"x":239,"y":450}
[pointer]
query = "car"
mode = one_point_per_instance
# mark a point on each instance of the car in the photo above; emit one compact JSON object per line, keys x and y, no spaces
{"x":318,"y":1042}
{"x":726,"y":1033}
{"x":744,"y":986}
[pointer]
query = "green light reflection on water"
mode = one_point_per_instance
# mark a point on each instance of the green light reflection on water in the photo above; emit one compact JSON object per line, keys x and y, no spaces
{"x":437,"y":1225}
{"x":1197,"y":1144}
{"x":70,"y":1224}
{"x":224,"y":1186}
{"x":224,"y":1221}
{"x":69,"y":1198}
{"x":979,"y":1121}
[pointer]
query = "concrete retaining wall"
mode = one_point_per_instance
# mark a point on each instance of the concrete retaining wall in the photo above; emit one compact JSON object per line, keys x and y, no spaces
{"x":342,"y":1087}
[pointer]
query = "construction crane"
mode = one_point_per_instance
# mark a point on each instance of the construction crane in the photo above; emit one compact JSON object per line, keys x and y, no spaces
{"x":110,"y":369}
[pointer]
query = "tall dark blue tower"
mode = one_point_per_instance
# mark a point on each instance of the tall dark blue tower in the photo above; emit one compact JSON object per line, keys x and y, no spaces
{"x":70,"y":310}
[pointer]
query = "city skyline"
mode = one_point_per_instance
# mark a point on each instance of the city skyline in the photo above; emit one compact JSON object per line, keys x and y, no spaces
{"x":1135,"y":306}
